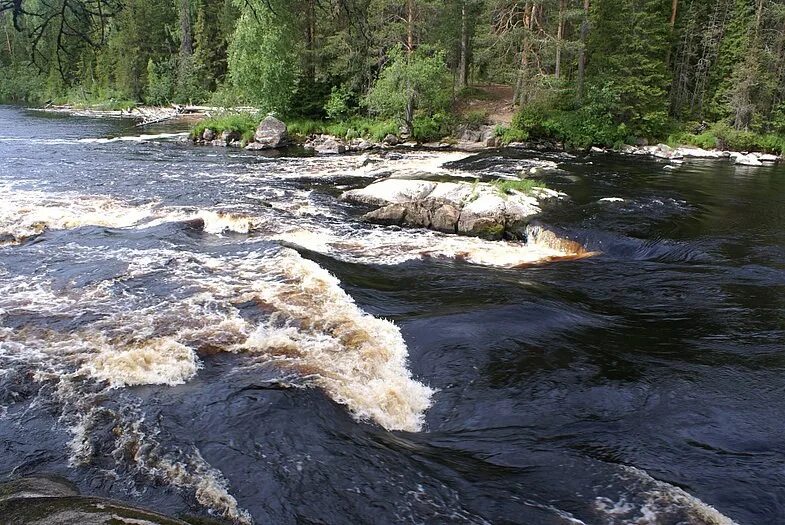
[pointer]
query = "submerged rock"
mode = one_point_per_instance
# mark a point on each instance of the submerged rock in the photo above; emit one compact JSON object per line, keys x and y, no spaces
{"x":270,"y":134}
{"x":55,"y":501}
{"x":479,"y":210}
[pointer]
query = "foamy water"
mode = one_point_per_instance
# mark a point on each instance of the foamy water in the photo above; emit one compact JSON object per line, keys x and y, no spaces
{"x":154,"y":310}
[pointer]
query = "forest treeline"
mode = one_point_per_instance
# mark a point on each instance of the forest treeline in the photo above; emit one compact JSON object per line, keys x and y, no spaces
{"x":582,"y":71}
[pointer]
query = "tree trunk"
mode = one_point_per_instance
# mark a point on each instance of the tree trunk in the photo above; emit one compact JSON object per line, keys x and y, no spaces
{"x":560,"y":36}
{"x":582,"y":54}
{"x":186,"y":37}
{"x":410,"y":26}
{"x":523,"y":78}
{"x":674,"y":12}
{"x":310,"y":40}
{"x":463,"y":65}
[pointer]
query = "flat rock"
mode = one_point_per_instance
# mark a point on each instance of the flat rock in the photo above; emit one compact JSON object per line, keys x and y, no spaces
{"x":390,"y":191}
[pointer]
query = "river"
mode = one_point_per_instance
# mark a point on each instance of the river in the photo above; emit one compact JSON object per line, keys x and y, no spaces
{"x":200,"y":330}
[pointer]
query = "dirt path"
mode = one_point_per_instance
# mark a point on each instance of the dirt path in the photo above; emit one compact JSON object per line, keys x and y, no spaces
{"x":493,"y":99}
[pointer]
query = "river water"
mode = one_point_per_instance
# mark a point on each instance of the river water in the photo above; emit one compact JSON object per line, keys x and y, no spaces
{"x":207,"y":331}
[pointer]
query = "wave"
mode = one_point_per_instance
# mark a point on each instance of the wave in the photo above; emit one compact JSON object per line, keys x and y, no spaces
{"x":95,"y":140}
{"x":662,"y":503}
{"x":305,"y":323}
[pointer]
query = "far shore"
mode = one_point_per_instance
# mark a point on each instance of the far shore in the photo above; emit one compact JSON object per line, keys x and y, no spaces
{"x":148,"y":115}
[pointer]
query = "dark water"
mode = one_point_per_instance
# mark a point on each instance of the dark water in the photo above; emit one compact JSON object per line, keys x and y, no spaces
{"x":639,"y":386}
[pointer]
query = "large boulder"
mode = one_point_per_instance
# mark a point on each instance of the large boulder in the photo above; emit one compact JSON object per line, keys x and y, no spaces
{"x":480,"y":210}
{"x":270,"y":134}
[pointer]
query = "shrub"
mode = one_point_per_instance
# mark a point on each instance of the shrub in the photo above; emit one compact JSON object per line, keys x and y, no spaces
{"x":431,"y":128}
{"x":475,"y":118}
{"x":160,"y":82}
{"x":419,"y":82}
{"x":508,"y":187}
{"x":514,"y":135}
{"x":339,"y":105}
{"x":243,"y":123}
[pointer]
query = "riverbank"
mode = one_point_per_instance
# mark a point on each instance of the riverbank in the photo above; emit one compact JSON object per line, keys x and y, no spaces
{"x":240,"y":130}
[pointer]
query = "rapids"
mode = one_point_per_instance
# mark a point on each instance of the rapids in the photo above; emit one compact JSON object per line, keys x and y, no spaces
{"x":208,"y":331}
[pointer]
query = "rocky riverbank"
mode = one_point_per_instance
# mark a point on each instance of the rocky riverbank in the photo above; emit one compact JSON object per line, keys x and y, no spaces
{"x":272,"y":134}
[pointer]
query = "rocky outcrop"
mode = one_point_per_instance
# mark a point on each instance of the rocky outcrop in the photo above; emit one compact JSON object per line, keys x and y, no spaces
{"x":663,"y":151}
{"x":270,"y":134}
{"x":479,"y":210}
{"x":41,"y":501}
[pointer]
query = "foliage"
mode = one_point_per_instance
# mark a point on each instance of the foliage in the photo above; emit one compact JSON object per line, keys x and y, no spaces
{"x":263,"y":61}
{"x":475,"y":118}
{"x":510,"y":186}
{"x":356,"y":127}
{"x":160,"y":82}
{"x":339,"y":105}
{"x":723,"y":136}
{"x":618,"y":72}
{"x":411,"y":82}
{"x":244,"y":124}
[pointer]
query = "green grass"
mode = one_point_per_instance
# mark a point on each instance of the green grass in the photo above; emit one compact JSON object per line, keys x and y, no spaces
{"x":353,"y":128}
{"x":243,"y":123}
{"x":509,"y":187}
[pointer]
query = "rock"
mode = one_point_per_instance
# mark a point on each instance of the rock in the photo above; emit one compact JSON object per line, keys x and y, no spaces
{"x":445,"y":218}
{"x":54,"y":501}
{"x":271,"y":133}
{"x":470,"y":135}
{"x":663,"y":151}
{"x":767,"y":157}
{"x":329,"y":146}
{"x":451,"y":207}
{"x":228,"y":137}
{"x":748,"y":160}
{"x":484,"y":217}
{"x":390,"y":191}
{"x":208,"y":135}
{"x":365,"y":145}
{"x":700,"y":153}
{"x":390,"y":140}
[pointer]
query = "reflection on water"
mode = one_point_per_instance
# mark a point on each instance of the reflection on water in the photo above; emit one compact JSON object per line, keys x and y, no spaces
{"x":207,"y":330}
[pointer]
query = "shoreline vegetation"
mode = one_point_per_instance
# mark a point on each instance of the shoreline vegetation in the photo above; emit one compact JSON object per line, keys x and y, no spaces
{"x":236,"y":127}
{"x":562,"y":74}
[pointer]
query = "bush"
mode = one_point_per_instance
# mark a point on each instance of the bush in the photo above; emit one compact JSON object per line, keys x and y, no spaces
{"x":508,"y":187}
{"x":411,"y":83}
{"x":242,"y":123}
{"x":723,"y":136}
{"x":476,"y":118}
{"x":427,"y":129}
{"x":160,"y":82}
{"x":339,"y":105}
{"x":514,"y":135}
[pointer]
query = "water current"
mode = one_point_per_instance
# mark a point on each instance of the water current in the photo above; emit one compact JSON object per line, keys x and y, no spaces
{"x":212,"y":331}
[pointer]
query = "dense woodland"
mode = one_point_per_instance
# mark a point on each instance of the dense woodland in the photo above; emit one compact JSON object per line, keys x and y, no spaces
{"x":582,"y":71}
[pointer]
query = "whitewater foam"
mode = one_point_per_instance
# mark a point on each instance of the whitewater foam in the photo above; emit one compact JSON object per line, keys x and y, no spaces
{"x":661,"y":502}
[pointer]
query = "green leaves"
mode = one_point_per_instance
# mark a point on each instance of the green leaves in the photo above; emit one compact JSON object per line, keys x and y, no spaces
{"x":411,"y":82}
{"x":264,"y":65}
